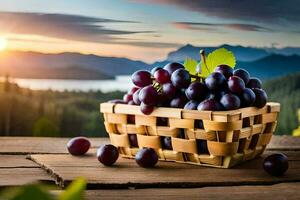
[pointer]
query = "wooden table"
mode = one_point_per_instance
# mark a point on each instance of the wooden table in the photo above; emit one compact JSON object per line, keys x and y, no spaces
{"x":29,"y":159}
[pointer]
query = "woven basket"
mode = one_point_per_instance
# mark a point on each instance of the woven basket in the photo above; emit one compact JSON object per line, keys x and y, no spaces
{"x":223,"y":138}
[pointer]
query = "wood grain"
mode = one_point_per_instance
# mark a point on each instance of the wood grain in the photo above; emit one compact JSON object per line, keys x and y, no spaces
{"x":32,"y":145}
{"x":126,"y":173}
{"x":274,"y":192}
{"x":16,"y":161}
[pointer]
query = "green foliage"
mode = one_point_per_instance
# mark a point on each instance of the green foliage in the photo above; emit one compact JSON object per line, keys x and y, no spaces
{"x":286,"y":91}
{"x":44,"y":126}
{"x":190,"y":65}
{"x":74,"y":191}
{"x":218,"y":57}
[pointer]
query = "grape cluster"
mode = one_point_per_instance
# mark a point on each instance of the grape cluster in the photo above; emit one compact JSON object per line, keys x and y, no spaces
{"x":173,"y":86}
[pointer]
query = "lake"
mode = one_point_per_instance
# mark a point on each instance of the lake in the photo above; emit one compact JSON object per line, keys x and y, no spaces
{"x":122,"y":83}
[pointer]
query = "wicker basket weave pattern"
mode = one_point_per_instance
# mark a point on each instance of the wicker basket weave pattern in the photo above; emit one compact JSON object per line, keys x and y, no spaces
{"x":223,"y":139}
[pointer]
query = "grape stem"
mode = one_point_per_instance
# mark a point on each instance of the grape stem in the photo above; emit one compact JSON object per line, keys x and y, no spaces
{"x":202,"y":53}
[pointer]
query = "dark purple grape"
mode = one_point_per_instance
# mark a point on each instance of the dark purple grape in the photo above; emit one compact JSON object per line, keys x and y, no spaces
{"x":162,"y":76}
{"x":132,"y":90}
{"x":131,"y":102}
{"x":127,"y":98}
{"x":166,"y":142}
{"x":107,"y":154}
{"x":171,"y":67}
{"x":117,"y":101}
{"x":178,"y":102}
{"x":230,"y":102}
{"x":216,"y":95}
{"x":154,"y":70}
{"x":191,"y":105}
{"x":141,"y":78}
{"x":78,"y":146}
{"x":225,"y":70}
{"x":210,"y":104}
{"x":130,"y":119}
{"x":199,"y":124}
{"x":181,"y":78}
{"x":247,"y":97}
{"x":202,"y":146}
{"x":243,"y":74}
{"x":254,"y":83}
{"x":146,"y":157}
{"x":215,"y":81}
{"x":261,"y":97}
{"x":169,"y":90}
{"x":133,"y":140}
{"x":163,"y":100}
{"x":148,"y":95}
{"x":135,"y":97}
{"x":236,"y":84}
{"x":196,"y":91}
{"x":276,"y":164}
{"x":147,"y":110}
{"x":162,"y":121}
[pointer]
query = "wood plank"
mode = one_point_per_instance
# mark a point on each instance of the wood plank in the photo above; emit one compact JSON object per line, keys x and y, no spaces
{"x":16,"y":161}
{"x":284,"y":142}
{"x":275,"y":192}
{"x":32,"y":145}
{"x":127,"y":174}
{"x":21,"y":176}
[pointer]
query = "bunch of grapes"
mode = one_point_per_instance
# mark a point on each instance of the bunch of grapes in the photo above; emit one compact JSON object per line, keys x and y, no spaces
{"x":173,"y":86}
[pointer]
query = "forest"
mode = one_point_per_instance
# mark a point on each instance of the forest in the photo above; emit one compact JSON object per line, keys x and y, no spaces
{"x":25,"y":112}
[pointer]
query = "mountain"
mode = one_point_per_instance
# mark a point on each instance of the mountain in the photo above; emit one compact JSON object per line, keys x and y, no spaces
{"x":272,"y":66}
{"x":287,"y":51}
{"x":242,"y":53}
{"x":35,"y":64}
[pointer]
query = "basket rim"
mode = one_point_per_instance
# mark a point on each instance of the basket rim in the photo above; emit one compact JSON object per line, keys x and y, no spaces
{"x":180,"y":113}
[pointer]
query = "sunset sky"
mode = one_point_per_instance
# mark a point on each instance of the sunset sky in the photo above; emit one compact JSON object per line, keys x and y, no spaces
{"x":146,"y":29}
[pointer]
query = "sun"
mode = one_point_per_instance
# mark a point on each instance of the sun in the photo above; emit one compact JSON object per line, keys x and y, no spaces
{"x":3,"y":44}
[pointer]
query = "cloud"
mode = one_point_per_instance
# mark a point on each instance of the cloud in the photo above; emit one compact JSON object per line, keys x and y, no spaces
{"x":265,"y":11}
{"x":210,"y":27}
{"x":152,"y":44}
{"x":63,"y":26}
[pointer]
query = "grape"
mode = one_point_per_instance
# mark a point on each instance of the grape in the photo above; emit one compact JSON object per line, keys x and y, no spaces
{"x":154,"y":70}
{"x":146,"y":157}
{"x":215,"y":81}
{"x":202,"y":146}
{"x":117,"y":101}
{"x":247,"y":97}
{"x":181,"y":78}
{"x":162,"y":76}
{"x":163,"y":101}
{"x":131,"y":103}
{"x":178,"y":102}
{"x":169,"y":90}
{"x":107,"y":154}
{"x":198,"y":124}
{"x":133,"y":140}
{"x":171,"y":67}
{"x":261,"y":97}
{"x":210,"y":104}
{"x":254,"y":83}
{"x":141,"y":78}
{"x":236,"y":84}
{"x":276,"y":164}
{"x":130,"y":119}
{"x":127,"y":98}
{"x":196,"y":91}
{"x":191,"y":105}
{"x":166,"y":142}
{"x":216,"y":95}
{"x":148,"y":95}
{"x":78,"y":146}
{"x":147,"y":110}
{"x":135,"y":97}
{"x":225,"y":70}
{"x":230,"y":102}
{"x":132,"y":90}
{"x":162,"y":121}
{"x":243,"y":74}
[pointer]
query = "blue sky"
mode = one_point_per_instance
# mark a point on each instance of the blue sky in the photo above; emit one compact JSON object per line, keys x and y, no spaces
{"x":146,"y":29}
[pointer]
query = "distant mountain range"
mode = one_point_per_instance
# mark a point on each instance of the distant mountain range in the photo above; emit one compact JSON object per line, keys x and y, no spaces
{"x":261,"y":62}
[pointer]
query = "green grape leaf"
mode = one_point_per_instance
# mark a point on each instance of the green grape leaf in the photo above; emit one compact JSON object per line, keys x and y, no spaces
{"x":74,"y":191}
{"x":190,"y":65}
{"x":215,"y":58}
